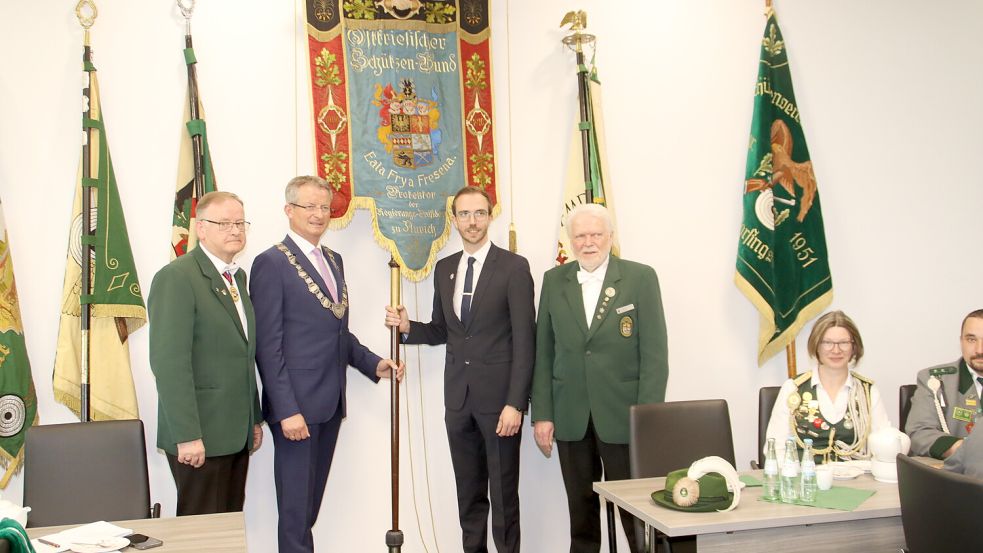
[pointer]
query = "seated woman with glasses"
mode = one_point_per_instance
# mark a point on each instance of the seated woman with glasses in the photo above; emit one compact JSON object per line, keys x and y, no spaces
{"x":834,"y":406}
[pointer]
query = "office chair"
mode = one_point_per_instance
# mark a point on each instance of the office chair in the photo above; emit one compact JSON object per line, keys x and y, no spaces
{"x":939,"y":509}
{"x":766,"y":402}
{"x":905,"y":393}
{"x":84,"y":472}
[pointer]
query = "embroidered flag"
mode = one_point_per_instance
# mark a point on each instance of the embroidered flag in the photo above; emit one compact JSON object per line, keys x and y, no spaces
{"x":402,"y":108}
{"x":782,"y":263}
{"x":114,"y":297}
{"x":18,"y":402}
{"x":195,"y":175}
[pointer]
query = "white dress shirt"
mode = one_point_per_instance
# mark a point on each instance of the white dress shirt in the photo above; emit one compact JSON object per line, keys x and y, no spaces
{"x":309,"y":250}
{"x":222,"y":267}
{"x":590,"y":286}
{"x":462,"y":270}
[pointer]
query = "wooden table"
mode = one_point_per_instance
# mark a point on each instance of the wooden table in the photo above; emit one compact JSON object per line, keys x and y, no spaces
{"x":756,"y":526}
{"x":221,"y":533}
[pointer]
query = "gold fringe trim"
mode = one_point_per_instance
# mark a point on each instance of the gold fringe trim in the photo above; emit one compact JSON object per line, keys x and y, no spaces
{"x":766,"y":349}
{"x":13,"y":463}
{"x":74,"y":404}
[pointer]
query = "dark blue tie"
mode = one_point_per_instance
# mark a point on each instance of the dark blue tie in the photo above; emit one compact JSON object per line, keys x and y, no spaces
{"x":466,"y":297}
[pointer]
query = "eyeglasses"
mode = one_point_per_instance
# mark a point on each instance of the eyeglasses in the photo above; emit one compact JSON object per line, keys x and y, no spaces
{"x":313,"y":208}
{"x":226,"y":226}
{"x":826,"y":345}
{"x":479,"y":215}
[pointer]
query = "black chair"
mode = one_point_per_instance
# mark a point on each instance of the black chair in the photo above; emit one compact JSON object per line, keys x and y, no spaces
{"x":766,"y":402}
{"x":905,"y":392}
{"x":83,"y":472}
{"x":939,"y":509}
{"x":671,"y":435}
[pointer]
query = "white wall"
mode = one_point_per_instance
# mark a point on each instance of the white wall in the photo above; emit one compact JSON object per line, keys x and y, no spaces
{"x":889,"y":94}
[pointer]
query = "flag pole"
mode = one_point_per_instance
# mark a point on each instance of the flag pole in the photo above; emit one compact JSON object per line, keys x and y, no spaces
{"x":790,"y":359}
{"x":394,"y":537}
{"x":86,"y":13}
{"x":199,"y":171}
{"x":576,"y":41}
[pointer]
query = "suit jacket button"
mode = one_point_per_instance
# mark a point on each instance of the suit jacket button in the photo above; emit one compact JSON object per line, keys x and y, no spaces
{"x":467,"y":361}
{"x":588,"y":353}
{"x":467,"y":337}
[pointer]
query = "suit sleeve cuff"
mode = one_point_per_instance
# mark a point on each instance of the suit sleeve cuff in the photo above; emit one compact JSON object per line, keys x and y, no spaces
{"x":942,"y":445}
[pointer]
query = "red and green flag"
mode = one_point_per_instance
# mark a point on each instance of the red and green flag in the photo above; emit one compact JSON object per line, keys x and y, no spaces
{"x":782,"y":261}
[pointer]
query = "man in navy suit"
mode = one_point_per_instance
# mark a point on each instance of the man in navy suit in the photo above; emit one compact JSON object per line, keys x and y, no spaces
{"x":483,"y":310}
{"x":303,"y":349}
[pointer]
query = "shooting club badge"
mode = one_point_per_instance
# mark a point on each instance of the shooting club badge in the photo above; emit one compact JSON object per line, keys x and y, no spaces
{"x":627,"y":326}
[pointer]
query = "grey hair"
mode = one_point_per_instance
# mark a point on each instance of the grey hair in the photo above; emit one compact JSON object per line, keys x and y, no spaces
{"x":595,"y":210}
{"x":290,"y":192}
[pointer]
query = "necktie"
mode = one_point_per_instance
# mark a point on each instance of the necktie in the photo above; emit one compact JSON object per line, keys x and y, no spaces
{"x":466,"y":297}
{"x":232,"y":286}
{"x":322,"y":268}
{"x":584,"y":276}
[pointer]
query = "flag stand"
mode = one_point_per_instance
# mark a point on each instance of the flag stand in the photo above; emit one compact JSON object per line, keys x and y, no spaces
{"x":394,"y":537}
{"x":576,"y":41}
{"x":86,"y":13}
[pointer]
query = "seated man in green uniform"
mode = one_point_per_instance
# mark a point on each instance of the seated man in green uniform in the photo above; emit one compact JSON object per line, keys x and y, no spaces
{"x":947,"y":401}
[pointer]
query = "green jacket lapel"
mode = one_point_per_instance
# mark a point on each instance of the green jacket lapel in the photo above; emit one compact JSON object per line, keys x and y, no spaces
{"x":575,"y":297}
{"x":218,"y":287}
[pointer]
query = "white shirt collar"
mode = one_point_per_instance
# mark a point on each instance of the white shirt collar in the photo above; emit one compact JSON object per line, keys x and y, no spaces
{"x":302,"y":243}
{"x":601,"y":270}
{"x":220,"y":266}
{"x":479,"y":256}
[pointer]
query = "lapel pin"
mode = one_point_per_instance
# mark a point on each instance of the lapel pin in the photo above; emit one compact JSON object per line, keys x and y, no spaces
{"x":609,"y":292}
{"x":452,"y":276}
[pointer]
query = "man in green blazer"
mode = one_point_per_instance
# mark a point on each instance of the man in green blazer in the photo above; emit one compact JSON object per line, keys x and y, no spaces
{"x":600,"y":348}
{"x":202,"y":352}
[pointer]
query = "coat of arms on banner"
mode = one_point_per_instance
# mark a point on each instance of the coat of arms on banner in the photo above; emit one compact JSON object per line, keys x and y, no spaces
{"x":403,"y":115}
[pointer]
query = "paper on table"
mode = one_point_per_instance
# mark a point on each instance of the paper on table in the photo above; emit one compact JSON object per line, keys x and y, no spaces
{"x":87,"y":532}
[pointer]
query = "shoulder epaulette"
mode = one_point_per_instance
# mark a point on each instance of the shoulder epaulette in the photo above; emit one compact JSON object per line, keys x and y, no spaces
{"x":862,"y":378}
{"x":939,"y":371}
{"x":802,"y":378}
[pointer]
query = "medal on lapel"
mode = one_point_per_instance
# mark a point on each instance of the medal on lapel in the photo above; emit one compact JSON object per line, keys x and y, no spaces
{"x":626,"y":326}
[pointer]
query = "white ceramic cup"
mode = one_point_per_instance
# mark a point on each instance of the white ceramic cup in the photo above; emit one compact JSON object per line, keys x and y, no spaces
{"x":824,"y":477}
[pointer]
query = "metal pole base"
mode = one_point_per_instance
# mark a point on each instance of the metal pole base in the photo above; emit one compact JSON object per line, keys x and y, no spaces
{"x":394,"y":540}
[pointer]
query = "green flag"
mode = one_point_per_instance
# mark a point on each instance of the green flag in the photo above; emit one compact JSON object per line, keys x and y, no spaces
{"x":196,"y":176}
{"x":782,"y":264}
{"x":117,"y":307}
{"x":18,"y":402}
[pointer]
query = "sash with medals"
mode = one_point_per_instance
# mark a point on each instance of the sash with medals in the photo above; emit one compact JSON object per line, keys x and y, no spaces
{"x":844,"y":439}
{"x":338,"y":308}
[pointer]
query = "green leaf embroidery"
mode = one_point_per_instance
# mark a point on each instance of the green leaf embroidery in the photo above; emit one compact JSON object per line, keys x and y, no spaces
{"x":475,"y":77}
{"x":326,"y":71}
{"x":359,"y":9}
{"x":438,"y":13}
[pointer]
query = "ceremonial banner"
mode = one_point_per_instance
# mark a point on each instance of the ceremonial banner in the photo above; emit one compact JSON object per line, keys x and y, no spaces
{"x":782,"y":264}
{"x":575,"y":186}
{"x":116,"y":303}
{"x":195,"y":176}
{"x":402,"y":106}
{"x":18,"y":402}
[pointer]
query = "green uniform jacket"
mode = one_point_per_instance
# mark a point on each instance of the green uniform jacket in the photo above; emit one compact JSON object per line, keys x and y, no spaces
{"x":204,"y":364}
{"x":961,"y":408}
{"x":622,"y":360}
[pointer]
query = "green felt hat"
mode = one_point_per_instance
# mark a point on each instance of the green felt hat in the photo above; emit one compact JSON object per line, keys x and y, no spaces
{"x":711,"y":489}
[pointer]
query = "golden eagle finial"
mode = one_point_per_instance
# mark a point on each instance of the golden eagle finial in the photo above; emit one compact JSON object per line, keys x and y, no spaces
{"x":576,"y":19}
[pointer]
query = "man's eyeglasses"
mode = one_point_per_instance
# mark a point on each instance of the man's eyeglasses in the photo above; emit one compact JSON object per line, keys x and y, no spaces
{"x":226,"y":226}
{"x":826,"y":345}
{"x":313,"y":208}
{"x":479,"y":215}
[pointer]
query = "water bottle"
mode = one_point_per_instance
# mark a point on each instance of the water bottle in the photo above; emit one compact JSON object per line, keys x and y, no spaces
{"x":809,"y":484}
{"x":790,"y":474}
{"x":771,"y":492}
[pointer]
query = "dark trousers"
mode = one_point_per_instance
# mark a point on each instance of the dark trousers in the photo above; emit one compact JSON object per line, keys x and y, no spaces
{"x":218,"y":486}
{"x":582,"y":463}
{"x":485,"y":465}
{"x":300,"y":472}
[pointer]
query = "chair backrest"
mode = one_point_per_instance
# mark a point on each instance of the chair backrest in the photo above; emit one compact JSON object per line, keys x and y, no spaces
{"x":671,"y":435}
{"x":939,"y":509}
{"x":904,"y":403}
{"x":766,"y":402}
{"x":83,"y":472}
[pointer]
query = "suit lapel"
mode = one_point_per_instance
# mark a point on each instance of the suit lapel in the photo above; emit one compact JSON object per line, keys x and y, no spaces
{"x":305,"y":262}
{"x":336,"y":272}
{"x":484,"y":279}
{"x":218,"y":287}
{"x":609,"y":291}
{"x":575,"y":297}
{"x":446,"y":285}
{"x":247,"y":305}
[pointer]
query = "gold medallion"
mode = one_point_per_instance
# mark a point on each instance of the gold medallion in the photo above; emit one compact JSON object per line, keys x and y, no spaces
{"x":235,"y":294}
{"x":806,"y":397}
{"x":794,"y":400}
{"x":626,"y":325}
{"x":609,"y":292}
